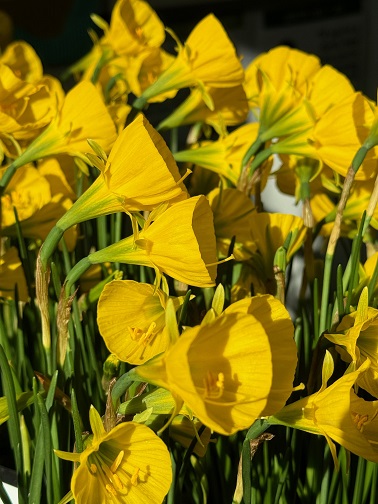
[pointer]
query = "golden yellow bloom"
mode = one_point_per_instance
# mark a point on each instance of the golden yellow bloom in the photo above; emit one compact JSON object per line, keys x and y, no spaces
{"x":297,"y":102}
{"x":134,"y":27}
{"x":336,"y":413}
{"x":223,"y":370}
{"x":179,"y":242}
{"x":131,"y":319}
{"x":129,"y":463}
{"x":83,"y":115}
{"x":39,"y":205}
{"x":356,"y":340}
{"x":25,"y":108}
{"x":341,"y":131}
{"x":129,"y":54}
{"x":208,"y":58}
{"x":28,"y":192}
{"x":140,"y":173}
{"x":12,"y":276}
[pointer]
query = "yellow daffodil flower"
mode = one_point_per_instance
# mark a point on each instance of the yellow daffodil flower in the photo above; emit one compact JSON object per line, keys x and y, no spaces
{"x":129,"y":463}
{"x":357,"y":340}
{"x":131,"y":319}
{"x":22,"y":59}
{"x":139,"y":159}
{"x":341,"y":131}
{"x":39,"y":206}
{"x":208,"y":58}
{"x":179,"y":242}
{"x":336,"y":413}
{"x":83,"y":115}
{"x":25,"y":108}
{"x":223,"y":370}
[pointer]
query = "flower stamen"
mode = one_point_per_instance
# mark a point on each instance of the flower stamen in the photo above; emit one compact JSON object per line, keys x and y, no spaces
{"x":214,"y":385}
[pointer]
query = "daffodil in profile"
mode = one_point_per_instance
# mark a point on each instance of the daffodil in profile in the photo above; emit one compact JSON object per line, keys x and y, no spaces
{"x":179,"y":242}
{"x":223,"y":370}
{"x":139,"y":174}
{"x":130,"y":463}
{"x":131,"y":319}
{"x":356,"y":339}
{"x":208,"y":58}
{"x":336,"y":413}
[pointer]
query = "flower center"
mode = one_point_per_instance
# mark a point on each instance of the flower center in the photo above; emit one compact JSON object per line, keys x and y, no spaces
{"x":361,"y":420}
{"x":214,"y":385}
{"x":142,"y":337}
{"x":114,"y":479}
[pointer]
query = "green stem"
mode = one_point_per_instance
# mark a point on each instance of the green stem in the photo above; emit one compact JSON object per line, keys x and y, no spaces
{"x":75,"y":273}
{"x":335,"y":233}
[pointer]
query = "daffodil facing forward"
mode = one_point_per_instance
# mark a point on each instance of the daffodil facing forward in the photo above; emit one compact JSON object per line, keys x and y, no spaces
{"x":223,"y":370}
{"x":129,"y":463}
{"x":131,"y":318}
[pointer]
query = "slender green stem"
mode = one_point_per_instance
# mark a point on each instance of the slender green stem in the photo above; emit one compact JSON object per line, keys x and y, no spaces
{"x":335,"y":233}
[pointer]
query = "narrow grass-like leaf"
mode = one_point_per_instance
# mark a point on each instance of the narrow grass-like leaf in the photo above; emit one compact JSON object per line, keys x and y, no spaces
{"x":283,"y":475}
{"x":359,"y":482}
{"x":339,"y":292}
{"x":51,"y":392}
{"x":47,"y":451}
{"x":77,"y":423}
{"x":14,"y":421}
{"x":373,"y":283}
{"x":35,"y":488}
{"x":354,"y":260}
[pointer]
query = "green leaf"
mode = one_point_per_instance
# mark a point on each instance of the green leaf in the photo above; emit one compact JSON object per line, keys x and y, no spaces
{"x":22,"y":401}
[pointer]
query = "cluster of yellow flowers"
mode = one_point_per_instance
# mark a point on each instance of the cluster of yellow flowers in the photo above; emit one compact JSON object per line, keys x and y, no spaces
{"x":235,"y":364}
